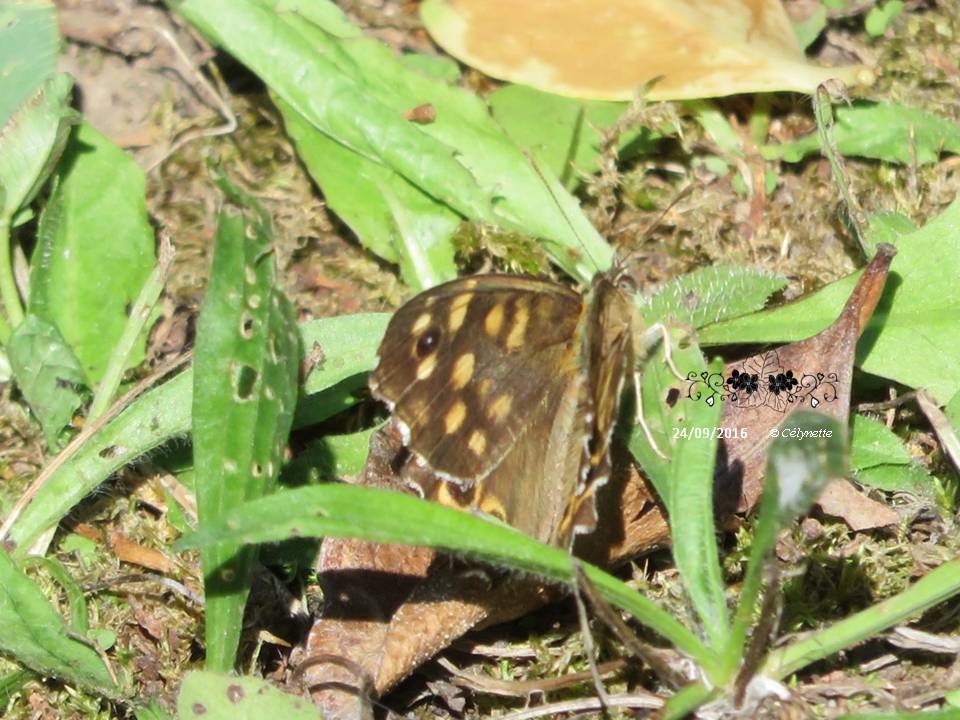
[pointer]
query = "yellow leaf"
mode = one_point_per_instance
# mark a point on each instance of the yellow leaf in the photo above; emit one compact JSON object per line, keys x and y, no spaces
{"x":608,"y":50}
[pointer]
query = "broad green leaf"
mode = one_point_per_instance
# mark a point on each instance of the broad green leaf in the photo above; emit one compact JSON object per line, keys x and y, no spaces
{"x":913,"y":336}
{"x":872,"y":443}
{"x":164,"y":413}
{"x":336,"y":510}
{"x":897,"y":478}
{"x":95,"y":249}
{"x":31,"y":141}
{"x":49,"y":376}
{"x":881,"y":16}
{"x":244,"y":393}
{"x":219,"y":696}
{"x":711,"y":294}
{"x":952,"y":411}
{"x":329,"y":458}
{"x":881,"y":131}
{"x":563,"y":133}
{"x":34,"y":634}
{"x":389,"y":215}
{"x":29,"y":47}
{"x":358,"y":93}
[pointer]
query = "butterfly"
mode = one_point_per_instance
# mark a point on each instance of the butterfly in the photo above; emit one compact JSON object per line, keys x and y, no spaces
{"x":506,"y":390}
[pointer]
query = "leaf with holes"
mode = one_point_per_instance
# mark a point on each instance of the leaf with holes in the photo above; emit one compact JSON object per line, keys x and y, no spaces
{"x":217,"y":696}
{"x":244,"y":393}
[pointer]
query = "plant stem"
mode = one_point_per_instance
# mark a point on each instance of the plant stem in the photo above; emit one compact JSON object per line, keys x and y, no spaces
{"x":8,"y":286}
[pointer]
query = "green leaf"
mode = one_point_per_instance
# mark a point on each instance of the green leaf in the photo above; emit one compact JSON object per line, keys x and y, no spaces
{"x":389,"y":215}
{"x":881,"y":16}
{"x":34,"y":634}
{"x":563,"y":133}
{"x":872,"y":443}
{"x":329,"y":458}
{"x":245,"y":379}
{"x":95,"y":249}
{"x":219,"y":696}
{"x":151,"y":711}
{"x":897,"y":478}
{"x":29,"y":47}
{"x":335,"y":510}
{"x":164,"y":413}
{"x":913,"y":336}
{"x":49,"y":376}
{"x":357,"y":92}
{"x":711,"y":294}
{"x":881,"y":131}
{"x":809,"y":30}
{"x":31,"y":142}
{"x":692,"y":527}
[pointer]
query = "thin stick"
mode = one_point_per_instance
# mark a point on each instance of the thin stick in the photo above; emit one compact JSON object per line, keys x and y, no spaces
{"x":941,"y":425}
{"x":522,"y":688}
{"x":89,"y":431}
{"x":139,"y":315}
{"x":645,"y":701}
{"x":588,"y":645}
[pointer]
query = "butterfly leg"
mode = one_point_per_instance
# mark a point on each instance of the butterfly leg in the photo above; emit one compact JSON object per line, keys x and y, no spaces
{"x":667,"y":352}
{"x":640,"y":420}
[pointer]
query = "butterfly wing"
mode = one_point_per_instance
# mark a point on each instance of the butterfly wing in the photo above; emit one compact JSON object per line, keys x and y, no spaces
{"x":472,"y":367}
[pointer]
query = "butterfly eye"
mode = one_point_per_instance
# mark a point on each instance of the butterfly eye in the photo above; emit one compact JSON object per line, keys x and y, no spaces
{"x":627,"y":284}
{"x":428,"y":342}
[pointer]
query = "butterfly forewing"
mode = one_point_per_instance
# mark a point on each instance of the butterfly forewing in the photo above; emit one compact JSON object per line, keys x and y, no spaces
{"x":472,"y":366}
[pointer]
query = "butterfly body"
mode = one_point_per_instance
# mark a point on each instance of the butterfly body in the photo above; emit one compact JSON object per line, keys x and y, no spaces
{"x":506,"y":390}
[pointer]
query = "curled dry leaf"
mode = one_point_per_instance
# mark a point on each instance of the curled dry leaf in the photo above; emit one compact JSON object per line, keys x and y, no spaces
{"x":609,"y":50}
{"x":763,"y":390}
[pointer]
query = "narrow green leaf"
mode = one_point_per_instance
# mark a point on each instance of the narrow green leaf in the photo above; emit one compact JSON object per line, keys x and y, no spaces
{"x":49,"y":376}
{"x":897,"y":478}
{"x":245,"y":381}
{"x":95,"y":249}
{"x":711,"y":294}
{"x":809,"y":30}
{"x":935,"y":587}
{"x":913,"y":336}
{"x":219,"y":696}
{"x":881,"y":131}
{"x":164,"y":413}
{"x":34,"y":634}
{"x":335,"y":510}
{"x":692,"y":526}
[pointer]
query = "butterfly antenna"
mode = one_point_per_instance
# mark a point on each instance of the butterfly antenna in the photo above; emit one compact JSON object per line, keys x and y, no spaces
{"x":657,"y":221}
{"x":556,"y":201}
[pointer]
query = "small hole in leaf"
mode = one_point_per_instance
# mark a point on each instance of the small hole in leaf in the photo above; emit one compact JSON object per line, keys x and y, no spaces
{"x":256,"y":470}
{"x":244,"y":381}
{"x":246,"y":326}
{"x":110,"y":451}
{"x":672,"y":396}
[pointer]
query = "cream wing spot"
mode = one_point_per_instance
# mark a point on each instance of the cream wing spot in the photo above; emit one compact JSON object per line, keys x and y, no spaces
{"x":500,"y":408}
{"x":458,"y":311}
{"x":454,"y":417}
{"x":518,"y":328}
{"x":463,"y":370}
{"x":483,"y":388}
{"x":421,"y":323}
{"x":494,"y":320}
{"x":426,"y":367}
{"x":477,"y":442}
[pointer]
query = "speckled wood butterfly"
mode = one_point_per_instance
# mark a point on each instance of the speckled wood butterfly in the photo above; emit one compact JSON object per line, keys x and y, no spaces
{"x":506,"y":390}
